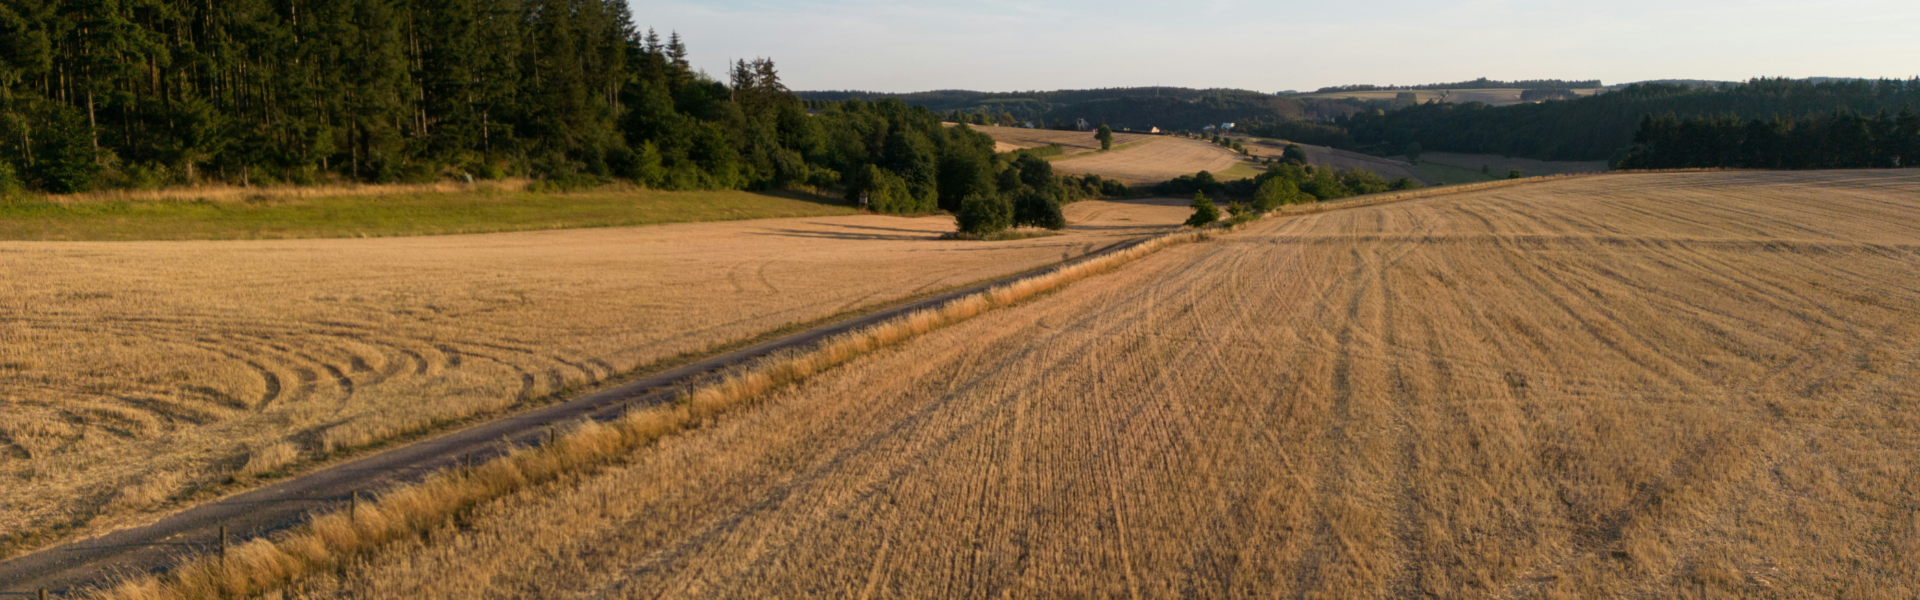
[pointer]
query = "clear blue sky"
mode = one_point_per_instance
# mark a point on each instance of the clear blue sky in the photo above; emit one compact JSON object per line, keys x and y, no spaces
{"x":1003,"y":45}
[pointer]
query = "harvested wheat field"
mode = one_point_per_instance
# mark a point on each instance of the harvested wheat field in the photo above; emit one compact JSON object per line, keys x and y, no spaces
{"x":1323,"y":156}
{"x":1073,"y":142}
{"x":1154,"y":160}
{"x":133,"y":374}
{"x":1677,"y":385}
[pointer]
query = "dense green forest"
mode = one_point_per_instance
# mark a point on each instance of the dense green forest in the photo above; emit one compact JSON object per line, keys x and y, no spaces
{"x":1841,"y":140}
{"x":1602,"y":127}
{"x":146,"y":93}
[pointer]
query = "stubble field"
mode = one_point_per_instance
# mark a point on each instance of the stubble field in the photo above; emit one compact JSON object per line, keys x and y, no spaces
{"x":1692,"y":385}
{"x":133,"y":374}
{"x":1073,"y":142}
{"x":1154,"y":160}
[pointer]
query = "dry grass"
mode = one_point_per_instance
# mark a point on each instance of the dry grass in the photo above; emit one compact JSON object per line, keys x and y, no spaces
{"x":330,"y":541}
{"x":1073,"y":142}
{"x":1670,"y":385}
{"x":1154,"y":160}
{"x":122,"y":360}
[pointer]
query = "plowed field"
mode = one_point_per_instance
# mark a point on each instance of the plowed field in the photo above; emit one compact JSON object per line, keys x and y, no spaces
{"x":1680,"y":385}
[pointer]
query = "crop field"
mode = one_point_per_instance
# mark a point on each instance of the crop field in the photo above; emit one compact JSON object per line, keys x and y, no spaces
{"x":1498,"y":166}
{"x":1494,"y":97}
{"x":1073,"y":142}
{"x":1386,"y":168}
{"x":1671,"y":385}
{"x":134,"y":375}
{"x":1154,"y":160}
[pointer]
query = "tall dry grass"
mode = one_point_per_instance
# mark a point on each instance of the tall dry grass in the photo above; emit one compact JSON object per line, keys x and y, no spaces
{"x":1682,"y":385}
{"x":331,"y":541}
{"x":121,"y":360}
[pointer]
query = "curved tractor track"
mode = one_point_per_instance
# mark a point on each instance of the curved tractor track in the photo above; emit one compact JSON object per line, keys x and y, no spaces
{"x":73,"y":567}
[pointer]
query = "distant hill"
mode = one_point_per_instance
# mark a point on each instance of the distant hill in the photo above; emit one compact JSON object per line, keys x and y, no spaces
{"x":1477,"y":84}
{"x":1169,"y":108}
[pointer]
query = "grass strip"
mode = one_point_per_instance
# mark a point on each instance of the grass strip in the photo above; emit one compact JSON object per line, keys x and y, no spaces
{"x":330,"y":541}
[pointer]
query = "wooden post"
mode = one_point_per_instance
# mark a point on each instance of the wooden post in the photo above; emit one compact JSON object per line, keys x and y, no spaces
{"x":553,"y":435}
{"x":353,"y":507}
{"x":43,"y":593}
{"x":223,"y":545}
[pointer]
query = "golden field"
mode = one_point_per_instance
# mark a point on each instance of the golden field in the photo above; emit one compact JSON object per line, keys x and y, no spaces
{"x":1666,"y":385}
{"x":1007,"y":139}
{"x":136,"y":374}
{"x":1155,"y":160}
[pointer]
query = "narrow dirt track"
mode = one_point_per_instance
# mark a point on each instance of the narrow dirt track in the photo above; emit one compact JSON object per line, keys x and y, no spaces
{"x":81,"y":564}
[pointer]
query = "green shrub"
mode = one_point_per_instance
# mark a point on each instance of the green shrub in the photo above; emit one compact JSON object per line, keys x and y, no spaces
{"x":984,"y":214}
{"x":1032,"y":208}
{"x":10,"y":184}
{"x":886,"y":192}
{"x":1275,"y":192}
{"x":1204,"y":212}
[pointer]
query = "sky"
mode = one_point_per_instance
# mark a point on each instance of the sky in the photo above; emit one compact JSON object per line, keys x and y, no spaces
{"x":999,"y":45}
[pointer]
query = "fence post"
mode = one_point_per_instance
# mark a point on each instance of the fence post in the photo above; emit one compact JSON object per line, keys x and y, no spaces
{"x":223,"y":545}
{"x":353,"y":508}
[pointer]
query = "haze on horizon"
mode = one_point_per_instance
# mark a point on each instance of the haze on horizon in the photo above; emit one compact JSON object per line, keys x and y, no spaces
{"x":997,"y":45}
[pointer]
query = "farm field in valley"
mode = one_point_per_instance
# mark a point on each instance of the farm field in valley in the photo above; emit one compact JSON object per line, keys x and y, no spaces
{"x":1498,"y":166}
{"x":1386,"y":168}
{"x":1154,"y":160}
{"x":1007,"y":139}
{"x":1697,"y":384}
{"x":134,"y":373}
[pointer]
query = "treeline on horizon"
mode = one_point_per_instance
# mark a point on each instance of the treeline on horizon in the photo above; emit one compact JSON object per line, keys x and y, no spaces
{"x":1603,"y":126}
{"x":1841,"y":140}
{"x":151,"y":93}
{"x":1168,"y":108}
{"x":1477,"y":84}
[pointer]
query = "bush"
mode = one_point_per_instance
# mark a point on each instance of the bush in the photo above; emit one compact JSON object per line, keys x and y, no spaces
{"x":9,"y":182}
{"x":1294,"y":154}
{"x":1513,"y":174}
{"x":1034,"y":209}
{"x":984,"y":214}
{"x":886,"y":192}
{"x":1404,"y":183}
{"x":1203,"y":212}
{"x":1274,"y":193}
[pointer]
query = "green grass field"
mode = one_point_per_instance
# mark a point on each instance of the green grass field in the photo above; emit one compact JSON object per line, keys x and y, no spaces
{"x":1449,"y":174}
{"x":424,"y":213}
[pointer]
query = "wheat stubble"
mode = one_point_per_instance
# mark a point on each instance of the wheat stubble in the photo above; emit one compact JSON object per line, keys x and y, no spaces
{"x":132,"y":373}
{"x":1659,"y":385}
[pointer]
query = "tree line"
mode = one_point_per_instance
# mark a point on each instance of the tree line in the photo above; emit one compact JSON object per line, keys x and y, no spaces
{"x":146,"y":93}
{"x":1602,"y":127}
{"x":1477,"y":84}
{"x":1842,"y":139}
